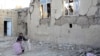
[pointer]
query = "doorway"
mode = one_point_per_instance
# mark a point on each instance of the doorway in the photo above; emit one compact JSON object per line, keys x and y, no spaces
{"x":49,"y":9}
{"x":41,"y":9}
{"x":26,"y":29}
{"x":7,"y":28}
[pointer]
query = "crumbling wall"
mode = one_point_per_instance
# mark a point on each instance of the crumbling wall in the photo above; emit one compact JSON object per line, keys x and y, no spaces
{"x":57,"y":9}
{"x":33,"y":17}
{"x":22,"y":20}
{"x":85,"y":26}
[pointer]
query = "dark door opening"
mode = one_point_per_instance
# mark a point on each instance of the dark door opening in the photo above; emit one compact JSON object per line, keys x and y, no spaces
{"x":26,"y":29}
{"x":70,"y":25}
{"x":49,"y":9}
{"x":5,"y":28}
{"x":42,"y":10}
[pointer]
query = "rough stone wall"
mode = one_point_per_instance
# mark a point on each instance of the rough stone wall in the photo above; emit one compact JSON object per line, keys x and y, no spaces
{"x":85,"y":27}
{"x":33,"y":18}
{"x":22,"y":20}
{"x":4,"y":14}
{"x":1,"y":23}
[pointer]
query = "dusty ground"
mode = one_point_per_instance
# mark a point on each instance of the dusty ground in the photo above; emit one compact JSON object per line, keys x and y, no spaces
{"x":42,"y":49}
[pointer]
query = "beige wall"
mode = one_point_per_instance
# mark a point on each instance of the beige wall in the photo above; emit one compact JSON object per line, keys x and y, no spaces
{"x":13,"y":16}
{"x":63,"y":34}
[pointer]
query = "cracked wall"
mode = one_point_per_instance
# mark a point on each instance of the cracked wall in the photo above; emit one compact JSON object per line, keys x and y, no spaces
{"x":22,"y":20}
{"x":85,"y":26}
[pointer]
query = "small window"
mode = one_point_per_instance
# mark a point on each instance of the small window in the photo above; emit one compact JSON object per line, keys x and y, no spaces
{"x":71,"y":7}
{"x":70,"y":25}
{"x":45,"y":8}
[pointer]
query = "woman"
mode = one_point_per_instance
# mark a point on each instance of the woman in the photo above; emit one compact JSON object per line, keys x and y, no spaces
{"x":21,"y":38}
{"x":18,"y":47}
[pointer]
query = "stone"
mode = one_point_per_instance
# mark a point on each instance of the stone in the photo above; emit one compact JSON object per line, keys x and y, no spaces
{"x":89,"y":49}
{"x":40,"y":43}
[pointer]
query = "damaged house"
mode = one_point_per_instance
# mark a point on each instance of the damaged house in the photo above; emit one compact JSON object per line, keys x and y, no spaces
{"x":64,"y":21}
{"x":57,"y":21}
{"x":53,"y":27}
